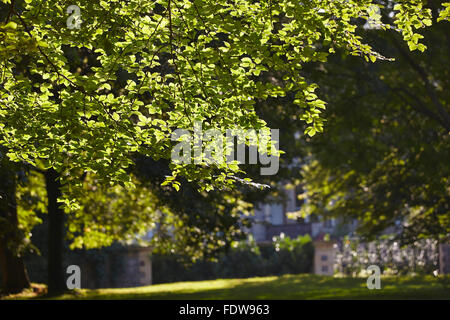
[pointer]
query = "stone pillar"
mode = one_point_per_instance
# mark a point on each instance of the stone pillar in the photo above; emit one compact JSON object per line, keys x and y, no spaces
{"x":444,"y":258}
{"x":145,"y":266}
{"x":324,"y":255}
{"x":137,"y":267}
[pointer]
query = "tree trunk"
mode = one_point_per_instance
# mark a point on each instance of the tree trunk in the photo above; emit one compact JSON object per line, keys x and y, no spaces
{"x":12,"y":268}
{"x":14,"y":274}
{"x":56,"y":284}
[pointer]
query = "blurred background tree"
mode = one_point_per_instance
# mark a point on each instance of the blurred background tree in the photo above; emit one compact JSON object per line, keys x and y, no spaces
{"x":384,"y":156}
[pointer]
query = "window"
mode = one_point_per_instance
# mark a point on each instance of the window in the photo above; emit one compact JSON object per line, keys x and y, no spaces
{"x":277,"y":214}
{"x":328,"y":223}
{"x":324,"y":257}
{"x":324,"y":268}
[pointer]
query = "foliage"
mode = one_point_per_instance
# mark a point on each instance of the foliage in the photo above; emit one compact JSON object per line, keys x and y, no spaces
{"x":245,"y":259}
{"x":111,"y":214}
{"x":31,"y":201}
{"x":185,"y":61}
{"x":353,"y":257}
{"x":192,"y":222}
{"x":292,"y":255}
{"x":106,"y":215}
{"x":382,"y":161}
{"x":87,"y":101}
{"x":445,"y":13}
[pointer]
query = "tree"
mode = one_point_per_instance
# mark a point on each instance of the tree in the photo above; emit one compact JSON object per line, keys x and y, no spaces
{"x":12,"y":268}
{"x":184,"y":61}
{"x":382,"y":162}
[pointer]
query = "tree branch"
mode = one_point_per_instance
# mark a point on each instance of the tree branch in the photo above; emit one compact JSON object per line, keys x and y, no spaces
{"x":417,"y":104}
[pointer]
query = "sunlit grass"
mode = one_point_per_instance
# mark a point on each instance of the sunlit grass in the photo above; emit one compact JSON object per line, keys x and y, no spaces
{"x":304,"y":286}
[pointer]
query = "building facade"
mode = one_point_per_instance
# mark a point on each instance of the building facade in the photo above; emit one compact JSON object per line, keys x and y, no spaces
{"x":271,"y":219}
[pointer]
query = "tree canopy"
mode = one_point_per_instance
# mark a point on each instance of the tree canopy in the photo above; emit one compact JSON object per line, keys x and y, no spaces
{"x":85,"y":100}
{"x":181,"y":61}
{"x":383,"y":158}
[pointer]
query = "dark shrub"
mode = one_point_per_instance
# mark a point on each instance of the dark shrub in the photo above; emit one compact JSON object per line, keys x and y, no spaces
{"x":246,"y":259}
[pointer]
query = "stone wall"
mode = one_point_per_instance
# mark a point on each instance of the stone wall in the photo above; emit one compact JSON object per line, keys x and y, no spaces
{"x":137,"y":268}
{"x":123,"y":267}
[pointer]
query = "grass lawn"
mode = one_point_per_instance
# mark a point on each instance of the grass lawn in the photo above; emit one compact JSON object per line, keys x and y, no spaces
{"x":305,"y":286}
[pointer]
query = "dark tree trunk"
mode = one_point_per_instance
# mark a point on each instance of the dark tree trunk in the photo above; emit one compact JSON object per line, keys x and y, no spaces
{"x":56,"y":283}
{"x":14,"y":274}
{"x":12,"y":268}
